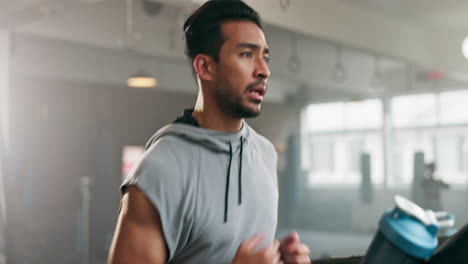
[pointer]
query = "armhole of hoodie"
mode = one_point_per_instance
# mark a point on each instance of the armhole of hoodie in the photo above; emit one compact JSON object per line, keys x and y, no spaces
{"x":145,"y":182}
{"x":194,"y":232}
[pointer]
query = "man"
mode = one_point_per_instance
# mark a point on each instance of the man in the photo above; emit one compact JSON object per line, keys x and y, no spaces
{"x":432,"y":187}
{"x":206,"y":188}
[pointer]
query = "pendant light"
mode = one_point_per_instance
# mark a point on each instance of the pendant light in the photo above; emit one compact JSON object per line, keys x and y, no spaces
{"x":294,"y":63}
{"x":377,"y":81}
{"x":141,"y":79}
{"x":339,"y":71}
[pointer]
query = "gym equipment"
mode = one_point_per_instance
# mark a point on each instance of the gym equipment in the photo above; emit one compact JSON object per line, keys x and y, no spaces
{"x":367,"y":192}
{"x":407,"y":234}
{"x":453,"y":250}
{"x":85,"y":203}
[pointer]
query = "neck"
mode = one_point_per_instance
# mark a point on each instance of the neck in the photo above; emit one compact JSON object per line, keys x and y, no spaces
{"x":211,"y":117}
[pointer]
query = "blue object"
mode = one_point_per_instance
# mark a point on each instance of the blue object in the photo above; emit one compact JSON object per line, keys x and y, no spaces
{"x":408,"y":233}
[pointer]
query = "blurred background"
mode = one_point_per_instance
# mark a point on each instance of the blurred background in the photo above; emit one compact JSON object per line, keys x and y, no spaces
{"x":363,"y":95}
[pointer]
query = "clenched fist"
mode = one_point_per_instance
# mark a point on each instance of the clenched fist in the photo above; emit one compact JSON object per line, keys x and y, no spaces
{"x":250,"y":253}
{"x":293,"y":251}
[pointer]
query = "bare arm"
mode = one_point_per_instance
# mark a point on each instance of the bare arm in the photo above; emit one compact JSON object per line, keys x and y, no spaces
{"x":138,"y":237}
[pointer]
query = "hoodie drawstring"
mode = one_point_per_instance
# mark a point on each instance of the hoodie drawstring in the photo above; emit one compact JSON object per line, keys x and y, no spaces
{"x":226,"y":193}
{"x":240,"y":170}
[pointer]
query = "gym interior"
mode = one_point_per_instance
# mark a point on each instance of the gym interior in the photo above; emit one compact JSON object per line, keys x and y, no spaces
{"x":367,"y":99}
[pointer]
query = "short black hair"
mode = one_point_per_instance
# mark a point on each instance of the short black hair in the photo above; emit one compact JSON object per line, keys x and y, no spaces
{"x":203,"y":28}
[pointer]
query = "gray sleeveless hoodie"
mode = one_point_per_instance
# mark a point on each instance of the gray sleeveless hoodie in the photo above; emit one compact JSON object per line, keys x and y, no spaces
{"x":212,"y":190}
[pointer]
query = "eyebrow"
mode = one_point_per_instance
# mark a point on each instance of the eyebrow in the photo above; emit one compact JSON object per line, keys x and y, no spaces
{"x":252,"y":46}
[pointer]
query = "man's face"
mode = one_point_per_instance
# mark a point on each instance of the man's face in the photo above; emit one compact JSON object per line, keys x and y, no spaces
{"x":242,"y":70}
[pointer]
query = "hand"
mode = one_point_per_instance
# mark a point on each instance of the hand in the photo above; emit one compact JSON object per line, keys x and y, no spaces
{"x":293,"y":251}
{"x":249,"y":252}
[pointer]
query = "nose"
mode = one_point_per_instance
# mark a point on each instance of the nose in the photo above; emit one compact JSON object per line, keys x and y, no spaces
{"x":262,"y":71}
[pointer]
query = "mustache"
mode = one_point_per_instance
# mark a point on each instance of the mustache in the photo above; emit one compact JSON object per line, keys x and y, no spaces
{"x":252,"y":85}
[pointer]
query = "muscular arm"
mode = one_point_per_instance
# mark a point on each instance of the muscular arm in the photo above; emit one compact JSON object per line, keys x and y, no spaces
{"x":138,"y":237}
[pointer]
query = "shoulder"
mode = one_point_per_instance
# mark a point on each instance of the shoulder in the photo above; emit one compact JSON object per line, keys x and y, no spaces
{"x":265,"y":147}
{"x":162,"y":154}
{"x":162,"y":164}
{"x":164,"y":148}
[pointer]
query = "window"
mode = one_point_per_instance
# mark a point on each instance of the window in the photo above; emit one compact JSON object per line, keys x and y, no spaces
{"x":363,"y":115}
{"x":321,"y":154}
{"x":324,"y":117}
{"x":405,"y":144}
{"x":336,"y":134}
{"x":435,"y":124}
{"x":414,"y":110}
{"x":454,"y":107}
{"x":450,"y":156}
{"x":344,"y":116}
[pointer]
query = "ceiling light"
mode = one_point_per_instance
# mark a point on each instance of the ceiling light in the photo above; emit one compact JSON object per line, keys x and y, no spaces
{"x":294,"y":63}
{"x":44,"y":10}
{"x":339,"y":71}
{"x":142,"y":80}
{"x":285,"y":4}
{"x":152,"y":8}
{"x":465,"y":47}
{"x":377,"y":80}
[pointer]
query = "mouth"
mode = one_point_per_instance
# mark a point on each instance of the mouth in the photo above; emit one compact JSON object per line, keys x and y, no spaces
{"x":256,"y":93}
{"x":258,"y":89}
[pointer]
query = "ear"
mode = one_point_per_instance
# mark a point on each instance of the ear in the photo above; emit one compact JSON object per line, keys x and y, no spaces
{"x":204,"y":66}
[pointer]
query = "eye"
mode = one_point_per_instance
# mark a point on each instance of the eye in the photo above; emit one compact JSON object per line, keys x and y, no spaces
{"x":266,"y":59}
{"x":247,"y":54}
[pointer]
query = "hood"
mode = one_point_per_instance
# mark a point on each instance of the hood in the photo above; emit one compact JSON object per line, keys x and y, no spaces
{"x":207,"y":138}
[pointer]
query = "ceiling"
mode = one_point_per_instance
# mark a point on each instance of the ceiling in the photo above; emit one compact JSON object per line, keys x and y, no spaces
{"x":447,"y":15}
{"x":400,"y":37}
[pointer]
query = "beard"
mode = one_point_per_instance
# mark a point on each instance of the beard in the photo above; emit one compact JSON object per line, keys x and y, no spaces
{"x":236,"y":106}
{"x":242,"y":111}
